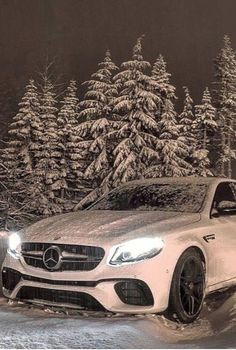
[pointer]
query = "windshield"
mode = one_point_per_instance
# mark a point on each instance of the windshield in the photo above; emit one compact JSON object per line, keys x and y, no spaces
{"x":164,"y":197}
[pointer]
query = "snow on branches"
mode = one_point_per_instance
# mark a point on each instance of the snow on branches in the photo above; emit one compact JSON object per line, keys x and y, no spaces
{"x":49,"y":173}
{"x":171,"y":146}
{"x":225,"y":100}
{"x":186,"y":120}
{"x":101,"y":91}
{"x":61,"y":152}
{"x":97,"y":108}
{"x":205,"y":119}
{"x":23,"y":132}
{"x":71,"y":141}
{"x":136,"y":105}
{"x":205,"y":126}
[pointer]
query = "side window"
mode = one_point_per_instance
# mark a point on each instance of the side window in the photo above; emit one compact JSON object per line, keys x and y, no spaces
{"x":225,"y":192}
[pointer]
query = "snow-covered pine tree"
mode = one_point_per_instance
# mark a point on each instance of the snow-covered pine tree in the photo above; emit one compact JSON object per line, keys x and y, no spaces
{"x":205,"y":128}
{"x":97,"y":108}
{"x":186,"y":118}
{"x":136,"y":104}
{"x":18,"y":155}
{"x":101,"y":91}
{"x":171,"y":146}
{"x":68,"y":113}
{"x":225,"y":101}
{"x":186,"y":122}
{"x":68,"y":123}
{"x":160,"y":84}
{"x":18,"y":159}
{"x":50,"y":170}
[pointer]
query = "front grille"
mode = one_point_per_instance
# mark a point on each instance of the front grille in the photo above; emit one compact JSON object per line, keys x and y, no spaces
{"x":81,"y":300}
{"x":74,"y":257}
{"x":134,"y":292}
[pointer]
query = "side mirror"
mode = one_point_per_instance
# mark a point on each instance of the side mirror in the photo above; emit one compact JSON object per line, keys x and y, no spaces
{"x":226,"y":208}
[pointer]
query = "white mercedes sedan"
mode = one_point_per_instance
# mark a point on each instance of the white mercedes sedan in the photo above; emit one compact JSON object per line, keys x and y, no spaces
{"x":153,"y":246}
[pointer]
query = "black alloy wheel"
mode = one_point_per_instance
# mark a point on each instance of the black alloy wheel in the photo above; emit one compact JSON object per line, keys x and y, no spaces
{"x":187,"y":288}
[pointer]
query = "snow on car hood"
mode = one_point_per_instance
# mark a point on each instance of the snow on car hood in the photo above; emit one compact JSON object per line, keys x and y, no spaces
{"x":104,"y":227}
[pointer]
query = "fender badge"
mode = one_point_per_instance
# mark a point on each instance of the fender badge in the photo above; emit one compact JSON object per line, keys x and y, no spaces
{"x":207,"y":238}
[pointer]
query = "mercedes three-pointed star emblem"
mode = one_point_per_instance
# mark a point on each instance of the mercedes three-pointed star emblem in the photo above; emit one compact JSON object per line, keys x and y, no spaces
{"x":52,"y":258}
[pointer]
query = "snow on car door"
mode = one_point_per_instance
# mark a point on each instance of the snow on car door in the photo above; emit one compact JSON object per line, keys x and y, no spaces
{"x":222,"y":243}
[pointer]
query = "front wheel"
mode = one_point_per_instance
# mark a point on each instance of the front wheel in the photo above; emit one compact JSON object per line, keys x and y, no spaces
{"x":187,"y":288}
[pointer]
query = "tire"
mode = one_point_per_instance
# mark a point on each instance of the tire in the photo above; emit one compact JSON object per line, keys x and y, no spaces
{"x":187,"y":290}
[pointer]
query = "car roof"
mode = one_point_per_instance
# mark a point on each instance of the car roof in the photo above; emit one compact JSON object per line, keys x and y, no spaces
{"x":180,"y":180}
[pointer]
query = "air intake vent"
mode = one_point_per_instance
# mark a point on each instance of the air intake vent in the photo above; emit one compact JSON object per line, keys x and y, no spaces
{"x":43,"y":295}
{"x":134,"y":292}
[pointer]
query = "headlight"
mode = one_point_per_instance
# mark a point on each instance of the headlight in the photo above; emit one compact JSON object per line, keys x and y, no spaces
{"x":136,"y":250}
{"x":14,"y":242}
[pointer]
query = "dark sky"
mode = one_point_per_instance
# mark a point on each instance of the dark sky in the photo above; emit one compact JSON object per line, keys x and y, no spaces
{"x":187,"y":32}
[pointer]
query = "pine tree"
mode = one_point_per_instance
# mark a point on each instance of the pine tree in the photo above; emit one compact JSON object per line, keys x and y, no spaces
{"x":101,"y":91}
{"x":68,"y":114}
{"x":49,"y":176}
{"x":171,"y":147}
{"x":160,"y":84}
{"x":98,"y":110}
{"x":201,"y":162}
{"x":225,"y":95}
{"x":187,"y":125}
{"x":170,"y":144}
{"x":136,"y":104}
{"x":18,"y":160}
{"x":72,"y":153}
{"x":205,"y":119}
{"x":186,"y":118}
{"x":18,"y":155}
{"x":205,"y":126}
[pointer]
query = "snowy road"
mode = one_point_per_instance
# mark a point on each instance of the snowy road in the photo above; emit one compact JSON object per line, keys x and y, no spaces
{"x":23,"y":326}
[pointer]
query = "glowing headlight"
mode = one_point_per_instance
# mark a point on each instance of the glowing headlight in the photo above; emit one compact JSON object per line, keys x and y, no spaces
{"x":136,"y":250}
{"x":13,"y":245}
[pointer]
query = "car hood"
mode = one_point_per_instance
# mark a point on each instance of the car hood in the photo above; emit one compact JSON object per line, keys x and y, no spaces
{"x":106,"y":227}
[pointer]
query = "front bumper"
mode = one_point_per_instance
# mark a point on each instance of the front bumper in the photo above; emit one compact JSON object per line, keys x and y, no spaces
{"x":136,"y":288}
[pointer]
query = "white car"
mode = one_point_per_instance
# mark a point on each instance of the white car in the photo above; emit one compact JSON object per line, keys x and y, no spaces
{"x":153,"y":246}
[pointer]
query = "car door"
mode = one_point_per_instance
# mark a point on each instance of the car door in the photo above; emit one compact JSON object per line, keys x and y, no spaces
{"x":222,"y":243}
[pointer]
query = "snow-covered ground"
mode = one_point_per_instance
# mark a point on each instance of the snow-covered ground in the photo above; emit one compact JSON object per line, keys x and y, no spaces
{"x":24,"y":326}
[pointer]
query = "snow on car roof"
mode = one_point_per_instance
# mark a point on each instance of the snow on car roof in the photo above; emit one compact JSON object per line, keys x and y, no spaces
{"x":179,"y":180}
